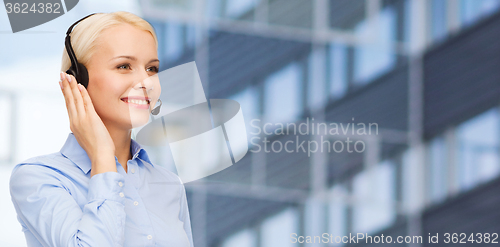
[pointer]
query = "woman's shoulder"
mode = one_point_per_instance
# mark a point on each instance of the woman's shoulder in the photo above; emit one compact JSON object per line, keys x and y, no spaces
{"x":40,"y":160}
{"x":43,"y":166}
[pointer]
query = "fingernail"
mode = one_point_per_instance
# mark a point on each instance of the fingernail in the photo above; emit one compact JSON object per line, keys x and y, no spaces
{"x":60,"y":84}
{"x":62,"y":75}
{"x":69,"y":77}
{"x":80,"y":87}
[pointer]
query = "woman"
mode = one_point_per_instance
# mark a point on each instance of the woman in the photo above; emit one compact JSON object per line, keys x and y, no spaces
{"x":101,"y":188}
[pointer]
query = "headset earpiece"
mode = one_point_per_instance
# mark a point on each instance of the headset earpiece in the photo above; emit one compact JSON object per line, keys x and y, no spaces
{"x":82,"y":76}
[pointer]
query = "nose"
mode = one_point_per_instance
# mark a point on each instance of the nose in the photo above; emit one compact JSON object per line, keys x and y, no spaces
{"x":146,"y":82}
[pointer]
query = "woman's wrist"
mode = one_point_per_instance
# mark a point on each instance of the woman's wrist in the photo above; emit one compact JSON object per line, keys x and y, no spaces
{"x":103,"y":163}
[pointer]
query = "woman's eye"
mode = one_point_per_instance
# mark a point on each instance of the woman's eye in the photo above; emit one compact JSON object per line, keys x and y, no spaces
{"x":154,"y":69}
{"x":124,"y":66}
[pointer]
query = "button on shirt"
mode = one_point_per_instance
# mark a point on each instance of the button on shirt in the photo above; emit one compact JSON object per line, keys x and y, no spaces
{"x":58,"y":204}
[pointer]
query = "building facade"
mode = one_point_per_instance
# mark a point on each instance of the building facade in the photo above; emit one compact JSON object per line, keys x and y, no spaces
{"x":414,"y":82}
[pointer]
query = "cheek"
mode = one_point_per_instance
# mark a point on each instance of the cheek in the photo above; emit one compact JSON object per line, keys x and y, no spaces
{"x":105,"y":92}
{"x":111,"y":84}
{"x":156,"y":92}
{"x":99,"y":101}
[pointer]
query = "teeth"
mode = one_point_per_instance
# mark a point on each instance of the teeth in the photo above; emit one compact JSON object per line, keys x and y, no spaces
{"x":137,"y":101}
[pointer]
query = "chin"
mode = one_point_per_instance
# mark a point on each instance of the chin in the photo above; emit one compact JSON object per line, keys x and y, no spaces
{"x":139,"y":119}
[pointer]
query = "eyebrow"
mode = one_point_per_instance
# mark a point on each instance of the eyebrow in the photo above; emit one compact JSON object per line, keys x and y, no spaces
{"x":134,"y":58}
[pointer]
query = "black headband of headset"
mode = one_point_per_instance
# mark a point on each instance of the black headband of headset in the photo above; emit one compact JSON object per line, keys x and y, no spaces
{"x":69,"y":48}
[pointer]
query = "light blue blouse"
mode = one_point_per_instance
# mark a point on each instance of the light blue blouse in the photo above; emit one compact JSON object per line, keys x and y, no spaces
{"x":58,"y":204}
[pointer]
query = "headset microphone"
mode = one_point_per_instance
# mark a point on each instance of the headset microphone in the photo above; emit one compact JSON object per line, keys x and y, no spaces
{"x":156,"y":110}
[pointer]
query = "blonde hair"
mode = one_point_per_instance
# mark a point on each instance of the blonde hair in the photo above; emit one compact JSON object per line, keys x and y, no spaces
{"x":85,"y":34}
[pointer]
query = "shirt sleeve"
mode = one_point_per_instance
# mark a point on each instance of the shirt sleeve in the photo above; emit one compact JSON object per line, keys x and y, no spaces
{"x":184,"y":215}
{"x":52,"y":215}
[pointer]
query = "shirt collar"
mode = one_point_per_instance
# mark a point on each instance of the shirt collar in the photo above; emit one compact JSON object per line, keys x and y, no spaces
{"x":138,"y":151}
{"x":74,"y":152}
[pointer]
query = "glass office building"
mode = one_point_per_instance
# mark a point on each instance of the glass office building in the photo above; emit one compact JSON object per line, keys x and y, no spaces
{"x":423,"y":71}
{"x":421,"y":76}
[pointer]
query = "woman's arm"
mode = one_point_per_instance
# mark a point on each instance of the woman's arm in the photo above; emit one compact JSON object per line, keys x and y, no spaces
{"x":52,"y":215}
{"x":87,"y":126}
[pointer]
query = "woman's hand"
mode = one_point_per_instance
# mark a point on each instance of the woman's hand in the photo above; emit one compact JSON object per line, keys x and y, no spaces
{"x":87,"y":126}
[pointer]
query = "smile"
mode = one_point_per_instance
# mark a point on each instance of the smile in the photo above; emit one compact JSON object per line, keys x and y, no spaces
{"x":141,"y":102}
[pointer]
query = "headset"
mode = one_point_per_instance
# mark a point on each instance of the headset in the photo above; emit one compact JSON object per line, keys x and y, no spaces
{"x":78,"y":70}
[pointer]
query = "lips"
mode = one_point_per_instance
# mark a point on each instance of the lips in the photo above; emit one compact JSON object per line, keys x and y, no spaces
{"x":137,"y":101}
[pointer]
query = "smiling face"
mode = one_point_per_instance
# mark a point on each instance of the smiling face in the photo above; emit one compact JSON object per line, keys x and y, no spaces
{"x":123,"y":81}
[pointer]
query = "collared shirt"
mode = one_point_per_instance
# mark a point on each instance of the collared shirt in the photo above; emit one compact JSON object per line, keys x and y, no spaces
{"x":59,"y":204}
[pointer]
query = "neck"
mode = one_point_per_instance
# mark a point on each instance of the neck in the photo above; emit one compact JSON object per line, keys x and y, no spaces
{"x":121,"y":139}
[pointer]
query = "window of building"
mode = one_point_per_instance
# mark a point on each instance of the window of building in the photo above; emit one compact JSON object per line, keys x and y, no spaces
{"x":438,"y":19}
{"x":478,"y":149}
{"x":437,"y":170}
{"x":235,"y":9}
{"x":291,"y":13}
{"x":374,"y":193}
{"x":276,"y":230}
{"x":173,"y":39}
{"x":345,"y":14}
{"x":244,"y":238}
{"x":283,"y":94}
{"x":214,"y":8}
{"x":190,"y":35}
{"x":316,"y":96}
{"x":376,"y":54}
{"x":473,"y":10}
{"x":412,"y":196}
{"x":338,"y":70}
{"x":408,"y":11}
{"x":249,"y":102}
{"x":337,"y":211}
{"x":314,"y":217}
{"x":174,"y":42}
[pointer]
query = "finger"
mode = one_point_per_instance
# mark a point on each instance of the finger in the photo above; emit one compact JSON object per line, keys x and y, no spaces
{"x":77,"y":96}
{"x":86,"y":99}
{"x":68,"y":96}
